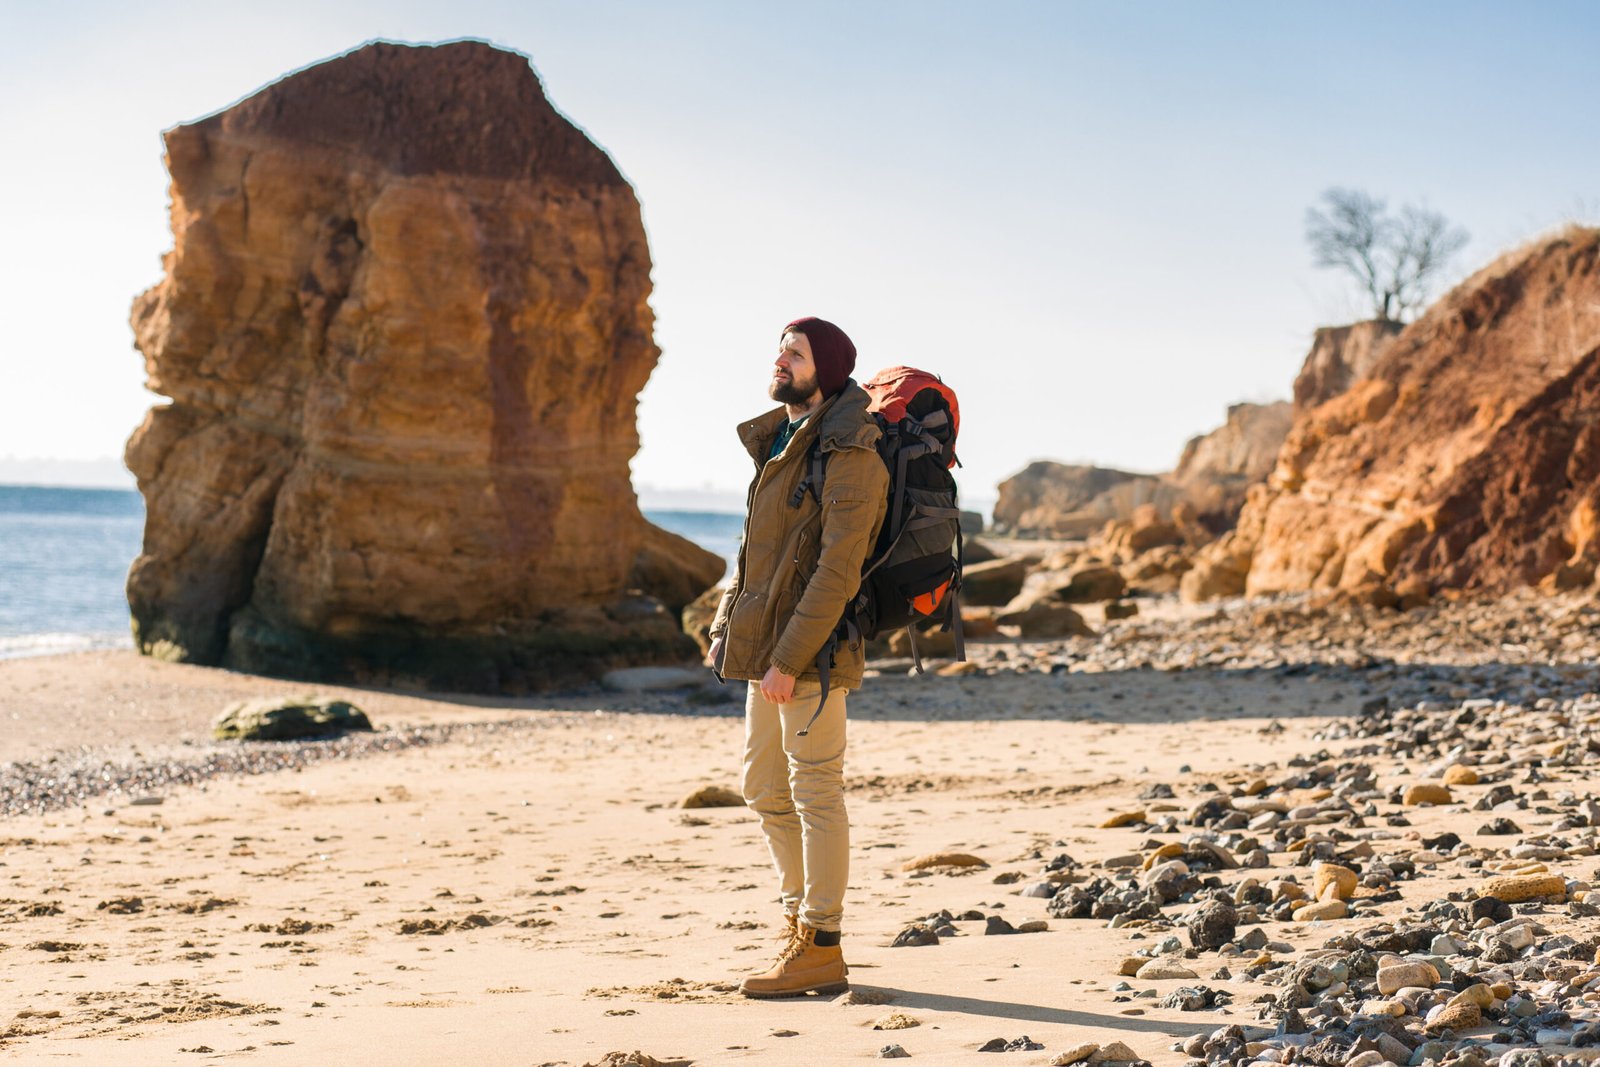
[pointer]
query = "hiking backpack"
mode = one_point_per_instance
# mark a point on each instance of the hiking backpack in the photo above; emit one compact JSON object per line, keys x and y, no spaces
{"x":912,"y":576}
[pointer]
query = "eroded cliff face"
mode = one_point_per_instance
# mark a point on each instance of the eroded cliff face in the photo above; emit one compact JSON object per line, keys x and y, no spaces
{"x":1340,"y":356}
{"x":1465,"y":458}
{"x":403,"y":328}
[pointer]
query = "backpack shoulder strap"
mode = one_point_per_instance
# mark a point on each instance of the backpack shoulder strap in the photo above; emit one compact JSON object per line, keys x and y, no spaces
{"x":816,"y":468}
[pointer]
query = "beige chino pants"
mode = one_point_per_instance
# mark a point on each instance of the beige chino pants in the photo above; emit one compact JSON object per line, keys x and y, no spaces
{"x":796,"y":785}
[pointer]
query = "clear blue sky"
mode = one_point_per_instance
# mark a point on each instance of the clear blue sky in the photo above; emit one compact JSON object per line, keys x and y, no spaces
{"x":1087,"y":216}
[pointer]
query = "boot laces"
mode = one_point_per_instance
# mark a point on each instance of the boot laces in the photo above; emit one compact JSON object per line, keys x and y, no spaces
{"x":798,"y":944}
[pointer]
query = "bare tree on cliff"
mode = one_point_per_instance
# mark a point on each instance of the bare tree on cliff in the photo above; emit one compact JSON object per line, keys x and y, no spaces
{"x":1395,"y":258}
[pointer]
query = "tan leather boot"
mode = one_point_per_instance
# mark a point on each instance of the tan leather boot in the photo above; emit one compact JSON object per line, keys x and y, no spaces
{"x":791,"y":926}
{"x":803,"y":967}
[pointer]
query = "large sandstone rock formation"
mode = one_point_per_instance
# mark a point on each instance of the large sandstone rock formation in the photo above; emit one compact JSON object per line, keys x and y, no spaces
{"x":1467,"y":458}
{"x":403,"y":327}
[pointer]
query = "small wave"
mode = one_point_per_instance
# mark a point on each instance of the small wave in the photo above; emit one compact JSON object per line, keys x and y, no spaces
{"x":21,"y":645}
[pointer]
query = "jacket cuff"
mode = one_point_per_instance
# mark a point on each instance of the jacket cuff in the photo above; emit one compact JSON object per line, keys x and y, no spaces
{"x":793,"y":672}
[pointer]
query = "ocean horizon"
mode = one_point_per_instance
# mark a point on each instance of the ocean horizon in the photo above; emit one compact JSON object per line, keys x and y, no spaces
{"x":65,"y":554}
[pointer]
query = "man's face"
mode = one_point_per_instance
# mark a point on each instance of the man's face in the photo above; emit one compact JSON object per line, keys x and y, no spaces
{"x":794,"y":375}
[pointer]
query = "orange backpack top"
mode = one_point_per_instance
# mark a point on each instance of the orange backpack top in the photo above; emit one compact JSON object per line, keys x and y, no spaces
{"x":894,"y":390}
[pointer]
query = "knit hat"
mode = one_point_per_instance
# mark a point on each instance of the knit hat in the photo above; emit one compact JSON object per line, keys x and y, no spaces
{"x":831,"y":350}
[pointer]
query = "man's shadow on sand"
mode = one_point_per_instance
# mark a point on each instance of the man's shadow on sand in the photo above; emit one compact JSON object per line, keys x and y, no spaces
{"x":1040,"y":1013}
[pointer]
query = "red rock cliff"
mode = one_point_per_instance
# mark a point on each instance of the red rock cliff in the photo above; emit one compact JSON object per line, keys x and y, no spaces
{"x":1467,"y":458}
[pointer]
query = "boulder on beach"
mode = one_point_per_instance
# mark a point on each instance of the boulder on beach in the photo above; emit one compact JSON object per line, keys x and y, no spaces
{"x":288,"y":719}
{"x":403,"y":328}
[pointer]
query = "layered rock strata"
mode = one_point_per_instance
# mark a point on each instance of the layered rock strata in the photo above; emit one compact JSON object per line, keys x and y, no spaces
{"x":403,"y":328}
{"x":1467,"y":458}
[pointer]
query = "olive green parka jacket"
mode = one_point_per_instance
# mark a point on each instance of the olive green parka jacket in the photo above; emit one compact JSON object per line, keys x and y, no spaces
{"x":799,"y":566}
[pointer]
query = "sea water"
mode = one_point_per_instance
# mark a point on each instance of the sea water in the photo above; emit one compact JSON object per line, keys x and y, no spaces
{"x":65,"y":553}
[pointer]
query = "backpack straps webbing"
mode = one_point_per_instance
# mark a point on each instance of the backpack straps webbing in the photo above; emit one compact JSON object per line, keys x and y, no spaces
{"x":812,"y":482}
{"x":955,"y":600}
{"x":916,"y":657}
{"x":955,"y":625}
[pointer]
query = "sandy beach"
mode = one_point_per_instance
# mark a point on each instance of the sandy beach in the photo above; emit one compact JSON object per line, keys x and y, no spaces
{"x":525,"y":888}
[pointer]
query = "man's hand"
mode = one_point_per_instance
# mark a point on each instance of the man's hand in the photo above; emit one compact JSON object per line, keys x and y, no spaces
{"x":777,"y":687}
{"x":716,"y":650}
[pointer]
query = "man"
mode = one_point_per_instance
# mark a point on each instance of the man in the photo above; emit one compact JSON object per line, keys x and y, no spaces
{"x":799,"y":565}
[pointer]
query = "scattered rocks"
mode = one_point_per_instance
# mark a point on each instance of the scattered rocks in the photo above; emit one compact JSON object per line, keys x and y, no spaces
{"x":1016,"y":1044}
{"x":895,"y":1020}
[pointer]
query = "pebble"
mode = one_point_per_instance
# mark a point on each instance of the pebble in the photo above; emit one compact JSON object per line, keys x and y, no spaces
{"x":1398,"y":976}
{"x":1427,"y":793}
{"x":893,"y":1052}
{"x":1159,"y":969}
{"x":1342,"y":881}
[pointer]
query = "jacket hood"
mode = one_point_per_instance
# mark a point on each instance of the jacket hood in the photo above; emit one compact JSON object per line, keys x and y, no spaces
{"x":842,"y":421}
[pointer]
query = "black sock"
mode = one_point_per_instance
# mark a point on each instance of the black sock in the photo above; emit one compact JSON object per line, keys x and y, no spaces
{"x":827,"y":938}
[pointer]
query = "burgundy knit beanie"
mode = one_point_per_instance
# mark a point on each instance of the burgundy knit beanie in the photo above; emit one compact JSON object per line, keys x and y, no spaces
{"x":831,"y":350}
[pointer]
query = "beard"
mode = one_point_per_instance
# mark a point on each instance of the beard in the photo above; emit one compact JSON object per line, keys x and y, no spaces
{"x":793,"y":391}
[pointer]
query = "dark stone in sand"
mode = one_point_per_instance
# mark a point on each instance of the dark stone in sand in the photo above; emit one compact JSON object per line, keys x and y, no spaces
{"x":288,"y":720}
{"x":1212,"y":925}
{"x":1492,"y":908}
{"x":915,"y":935}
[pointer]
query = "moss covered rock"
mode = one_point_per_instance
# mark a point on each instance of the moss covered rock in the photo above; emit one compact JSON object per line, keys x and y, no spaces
{"x":280,"y":719}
